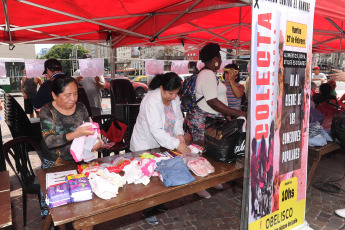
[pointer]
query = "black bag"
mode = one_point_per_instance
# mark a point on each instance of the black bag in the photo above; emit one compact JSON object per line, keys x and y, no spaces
{"x":221,"y":137}
{"x":240,"y":147}
{"x":338,"y":128}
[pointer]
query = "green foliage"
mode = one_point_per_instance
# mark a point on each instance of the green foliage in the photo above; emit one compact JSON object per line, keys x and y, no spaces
{"x":64,"y":51}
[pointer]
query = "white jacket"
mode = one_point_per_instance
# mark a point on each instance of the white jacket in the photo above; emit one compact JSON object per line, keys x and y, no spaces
{"x":148,"y":132}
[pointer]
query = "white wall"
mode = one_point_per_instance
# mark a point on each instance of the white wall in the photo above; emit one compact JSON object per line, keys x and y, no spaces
{"x":20,"y":51}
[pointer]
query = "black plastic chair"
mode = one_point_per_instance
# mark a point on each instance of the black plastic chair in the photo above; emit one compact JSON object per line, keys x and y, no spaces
{"x":121,"y":92}
{"x":124,"y":105}
{"x":18,"y":122}
{"x":16,"y":153}
{"x":120,"y":146}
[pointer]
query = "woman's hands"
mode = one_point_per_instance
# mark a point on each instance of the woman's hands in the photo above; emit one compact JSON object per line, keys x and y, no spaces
{"x":183,"y":148}
{"x":82,"y":131}
{"x":180,"y":138}
{"x":97,"y":145}
{"x":231,"y":76}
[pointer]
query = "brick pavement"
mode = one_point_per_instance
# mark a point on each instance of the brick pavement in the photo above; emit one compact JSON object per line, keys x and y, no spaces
{"x":221,"y":211}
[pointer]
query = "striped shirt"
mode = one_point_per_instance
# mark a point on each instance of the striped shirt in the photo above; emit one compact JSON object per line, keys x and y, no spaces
{"x":233,"y":102}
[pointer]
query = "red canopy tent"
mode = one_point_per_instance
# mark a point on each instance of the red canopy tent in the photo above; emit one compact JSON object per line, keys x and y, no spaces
{"x":78,"y":21}
{"x":143,"y":23}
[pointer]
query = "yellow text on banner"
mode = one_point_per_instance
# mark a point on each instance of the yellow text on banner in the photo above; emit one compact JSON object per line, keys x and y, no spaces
{"x":296,"y":34}
{"x":290,"y":214}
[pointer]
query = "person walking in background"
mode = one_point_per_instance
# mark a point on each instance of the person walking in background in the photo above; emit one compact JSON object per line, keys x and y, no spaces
{"x":29,"y":91}
{"x":93,"y":87}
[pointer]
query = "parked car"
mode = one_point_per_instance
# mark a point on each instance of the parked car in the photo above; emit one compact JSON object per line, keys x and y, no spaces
{"x":141,"y":79}
{"x":140,"y":89}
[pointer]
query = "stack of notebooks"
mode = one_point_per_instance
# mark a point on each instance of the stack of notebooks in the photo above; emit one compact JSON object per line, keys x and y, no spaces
{"x":73,"y":188}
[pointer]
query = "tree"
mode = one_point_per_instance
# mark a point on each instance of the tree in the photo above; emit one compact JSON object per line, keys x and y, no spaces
{"x":62,"y":53}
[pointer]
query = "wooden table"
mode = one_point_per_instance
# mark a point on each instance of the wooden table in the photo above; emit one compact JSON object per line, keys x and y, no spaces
{"x":5,"y":200}
{"x":315,"y":153}
{"x":131,"y":198}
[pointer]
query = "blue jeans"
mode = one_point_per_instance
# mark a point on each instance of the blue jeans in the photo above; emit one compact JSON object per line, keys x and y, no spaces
{"x":174,"y":172}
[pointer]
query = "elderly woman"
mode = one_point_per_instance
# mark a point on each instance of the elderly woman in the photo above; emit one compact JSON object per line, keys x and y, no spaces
{"x":160,"y":123}
{"x":214,"y":102}
{"x":160,"y":120}
{"x":234,"y":90}
{"x":60,"y":120}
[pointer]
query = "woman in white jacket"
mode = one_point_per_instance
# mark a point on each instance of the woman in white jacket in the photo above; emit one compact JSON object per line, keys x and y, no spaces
{"x":160,"y":123}
{"x":160,"y":120}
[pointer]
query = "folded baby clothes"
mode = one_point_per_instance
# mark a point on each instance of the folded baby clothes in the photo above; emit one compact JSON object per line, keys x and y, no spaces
{"x":81,"y":146}
{"x":102,"y":187}
{"x":174,"y":172}
{"x":147,"y":166}
{"x":132,"y":172}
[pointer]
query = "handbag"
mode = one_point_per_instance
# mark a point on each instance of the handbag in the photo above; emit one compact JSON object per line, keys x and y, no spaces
{"x":240,"y":146}
{"x":113,"y":130}
{"x":221,"y":137}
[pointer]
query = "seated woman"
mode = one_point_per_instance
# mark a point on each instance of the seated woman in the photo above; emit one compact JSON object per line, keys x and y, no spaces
{"x":333,"y":85}
{"x":59,"y":122}
{"x":234,"y":90}
{"x":326,"y":103}
{"x":160,"y":123}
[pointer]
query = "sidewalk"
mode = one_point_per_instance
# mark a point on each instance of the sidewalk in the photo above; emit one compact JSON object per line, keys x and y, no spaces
{"x":221,"y":211}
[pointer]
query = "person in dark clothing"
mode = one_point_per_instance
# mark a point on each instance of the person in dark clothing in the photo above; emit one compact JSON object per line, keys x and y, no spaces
{"x":53,"y":69}
{"x":29,"y":90}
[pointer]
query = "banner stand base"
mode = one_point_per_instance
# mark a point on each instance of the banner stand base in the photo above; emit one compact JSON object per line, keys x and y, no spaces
{"x":304,"y":226}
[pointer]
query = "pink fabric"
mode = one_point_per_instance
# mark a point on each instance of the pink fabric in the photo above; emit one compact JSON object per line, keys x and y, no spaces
{"x":77,"y":147}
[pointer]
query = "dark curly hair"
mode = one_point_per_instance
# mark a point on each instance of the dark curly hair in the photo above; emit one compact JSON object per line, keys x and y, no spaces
{"x":209,"y":51}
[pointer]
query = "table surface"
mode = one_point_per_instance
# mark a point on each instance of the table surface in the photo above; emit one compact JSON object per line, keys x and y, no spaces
{"x":5,"y":200}
{"x":132,"y":198}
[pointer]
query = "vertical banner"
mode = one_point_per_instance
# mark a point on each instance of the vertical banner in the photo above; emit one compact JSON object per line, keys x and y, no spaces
{"x":280,"y":84}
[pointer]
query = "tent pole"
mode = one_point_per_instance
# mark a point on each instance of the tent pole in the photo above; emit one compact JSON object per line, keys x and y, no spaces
{"x":8,"y":25}
{"x":239,"y":34}
{"x":112,"y":59}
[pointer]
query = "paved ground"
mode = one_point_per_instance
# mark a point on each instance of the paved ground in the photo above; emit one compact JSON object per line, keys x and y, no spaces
{"x":222,"y":211}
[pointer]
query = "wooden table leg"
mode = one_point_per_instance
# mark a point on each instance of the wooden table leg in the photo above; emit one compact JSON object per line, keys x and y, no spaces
{"x":47,"y":222}
{"x":312,"y":170}
{"x":62,"y":227}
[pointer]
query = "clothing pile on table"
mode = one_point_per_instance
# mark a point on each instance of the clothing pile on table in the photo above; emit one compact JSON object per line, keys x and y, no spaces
{"x":318,"y":136}
{"x":170,"y":166}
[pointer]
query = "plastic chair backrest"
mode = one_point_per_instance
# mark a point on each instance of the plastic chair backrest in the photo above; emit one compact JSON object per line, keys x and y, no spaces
{"x":16,"y":153}
{"x":15,"y":117}
{"x":121,"y":92}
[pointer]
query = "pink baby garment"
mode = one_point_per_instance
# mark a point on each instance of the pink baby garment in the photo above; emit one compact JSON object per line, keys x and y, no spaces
{"x":81,"y":146}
